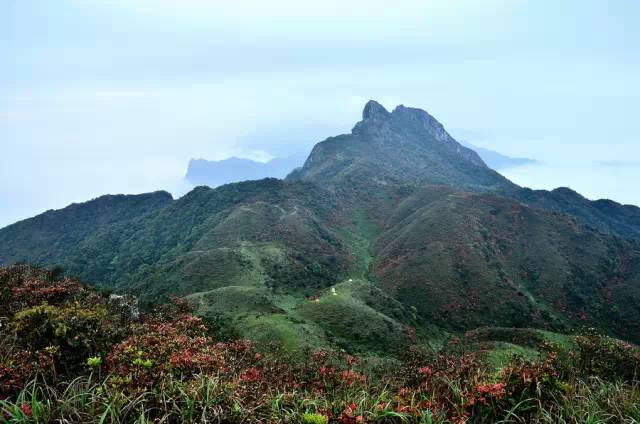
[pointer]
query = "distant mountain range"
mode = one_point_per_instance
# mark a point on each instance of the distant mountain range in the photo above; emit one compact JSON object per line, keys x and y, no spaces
{"x":234,"y":169}
{"x":497,"y":160}
{"x":412,"y":231}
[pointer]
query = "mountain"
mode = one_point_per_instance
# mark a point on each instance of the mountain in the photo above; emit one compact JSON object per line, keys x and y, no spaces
{"x":497,"y":160}
{"x":390,"y":235}
{"x":409,"y":148}
{"x":404,"y":147}
{"x":233,"y":170}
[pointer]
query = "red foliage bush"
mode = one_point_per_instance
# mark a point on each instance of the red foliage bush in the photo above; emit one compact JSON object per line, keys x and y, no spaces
{"x":159,"y":348}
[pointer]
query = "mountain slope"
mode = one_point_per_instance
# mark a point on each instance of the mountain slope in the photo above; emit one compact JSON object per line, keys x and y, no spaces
{"x":268,"y":244}
{"x":466,"y":260}
{"x":604,"y":215}
{"x":55,"y":234}
{"x":267,"y":230}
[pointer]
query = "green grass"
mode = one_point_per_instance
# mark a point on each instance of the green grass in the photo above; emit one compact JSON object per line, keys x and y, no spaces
{"x":360,"y":237}
{"x":234,"y":301}
{"x":360,"y":318}
{"x":206,"y":398}
{"x":563,"y":341}
{"x":500,"y":354}
{"x":282,"y":332}
{"x":354,"y":325}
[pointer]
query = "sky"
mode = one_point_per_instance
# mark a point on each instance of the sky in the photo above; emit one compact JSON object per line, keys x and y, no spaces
{"x":115,"y":96}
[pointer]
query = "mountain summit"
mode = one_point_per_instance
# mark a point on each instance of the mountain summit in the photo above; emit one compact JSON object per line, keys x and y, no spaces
{"x":403,"y":118}
{"x":374,"y":110}
{"x":406,"y":146}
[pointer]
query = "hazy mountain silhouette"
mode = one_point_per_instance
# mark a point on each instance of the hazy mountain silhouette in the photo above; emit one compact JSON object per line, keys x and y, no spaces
{"x":232,"y":170}
{"x":496,"y":160}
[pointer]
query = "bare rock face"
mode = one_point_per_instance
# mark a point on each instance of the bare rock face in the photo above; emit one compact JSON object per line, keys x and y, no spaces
{"x":375,"y":111}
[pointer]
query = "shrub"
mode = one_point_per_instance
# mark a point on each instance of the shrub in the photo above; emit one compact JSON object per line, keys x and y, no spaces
{"x":159,"y":349}
{"x":68,"y":333}
{"x":606,"y":358}
{"x":309,"y":418}
{"x":52,"y":325}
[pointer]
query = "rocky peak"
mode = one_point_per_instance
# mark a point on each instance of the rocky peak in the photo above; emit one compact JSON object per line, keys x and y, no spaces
{"x":407,"y":146}
{"x":374,"y":117}
{"x":420,"y":118}
{"x":374,"y":110}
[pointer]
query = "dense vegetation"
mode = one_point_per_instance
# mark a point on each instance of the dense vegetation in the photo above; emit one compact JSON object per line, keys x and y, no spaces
{"x":506,"y":264}
{"x":71,"y":354}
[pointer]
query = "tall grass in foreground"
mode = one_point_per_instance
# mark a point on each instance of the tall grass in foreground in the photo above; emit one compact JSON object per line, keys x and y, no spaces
{"x":209,"y":399}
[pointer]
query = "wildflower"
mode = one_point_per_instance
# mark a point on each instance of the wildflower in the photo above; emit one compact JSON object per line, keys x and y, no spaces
{"x":52,"y":350}
{"x":426,"y":371}
{"x":26,"y":409}
{"x":350,"y":410}
{"x":351,"y":377}
{"x":351,"y":360}
{"x":326,"y":371}
{"x":240,"y":346}
{"x":320,"y":355}
{"x":250,"y":375}
{"x":404,"y":409}
{"x":258,"y":357}
{"x":494,"y":390}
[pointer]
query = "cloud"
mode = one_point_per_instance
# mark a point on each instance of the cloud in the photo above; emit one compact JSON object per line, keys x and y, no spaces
{"x":591,"y":180}
{"x":118,"y":93}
